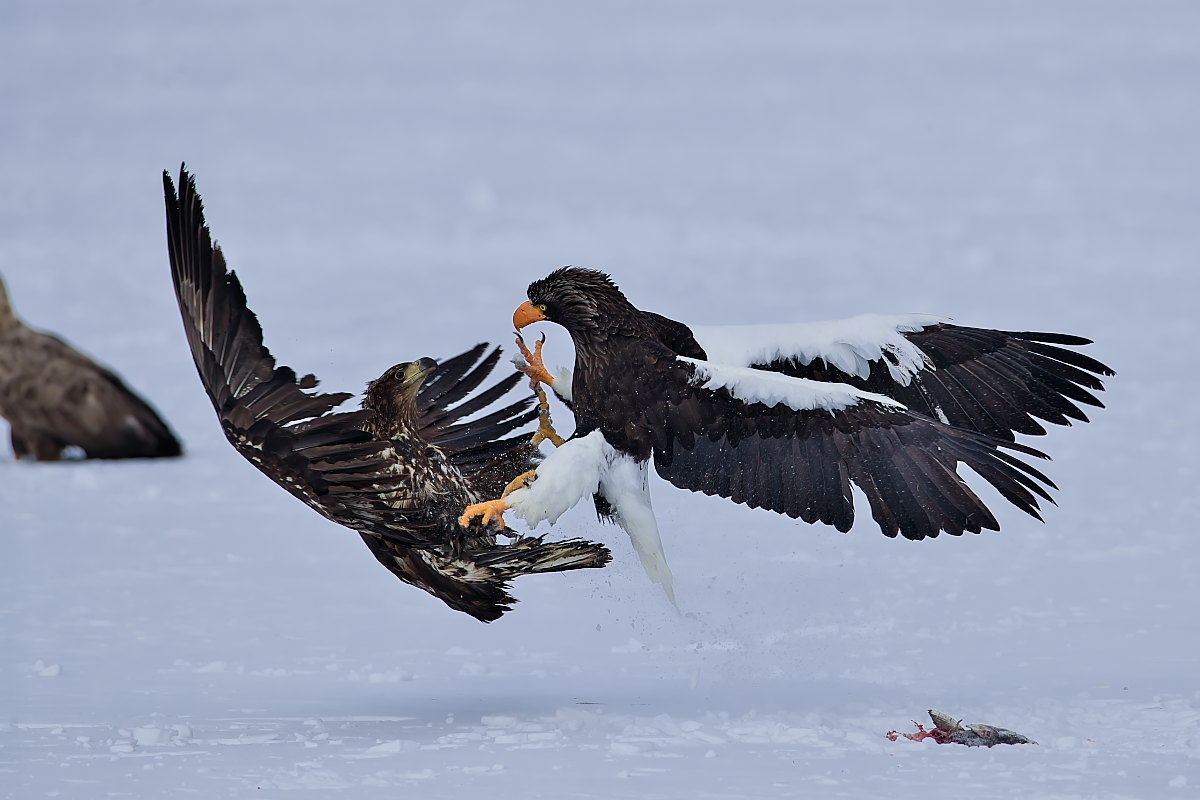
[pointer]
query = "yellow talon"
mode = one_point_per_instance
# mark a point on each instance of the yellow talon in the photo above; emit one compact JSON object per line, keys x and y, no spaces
{"x":535,"y":367}
{"x":490,"y":510}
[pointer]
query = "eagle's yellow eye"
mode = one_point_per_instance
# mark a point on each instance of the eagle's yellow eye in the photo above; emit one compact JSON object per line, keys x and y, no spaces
{"x":542,"y":307}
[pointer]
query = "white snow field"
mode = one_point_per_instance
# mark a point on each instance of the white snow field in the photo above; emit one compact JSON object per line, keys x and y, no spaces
{"x":386,"y":177}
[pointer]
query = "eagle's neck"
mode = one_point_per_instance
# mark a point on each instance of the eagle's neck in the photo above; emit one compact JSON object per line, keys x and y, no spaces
{"x":604,"y":335}
{"x":391,"y":417}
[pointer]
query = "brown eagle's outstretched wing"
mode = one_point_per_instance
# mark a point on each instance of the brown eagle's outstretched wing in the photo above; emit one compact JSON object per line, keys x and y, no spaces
{"x":268,"y":414}
{"x":333,"y":463}
{"x":487,"y":461}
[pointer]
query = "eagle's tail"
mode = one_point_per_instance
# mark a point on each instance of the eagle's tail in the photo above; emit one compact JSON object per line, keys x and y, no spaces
{"x":476,"y":582}
{"x":530,"y":555}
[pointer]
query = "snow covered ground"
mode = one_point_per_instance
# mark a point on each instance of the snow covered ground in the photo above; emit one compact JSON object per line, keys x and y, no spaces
{"x":387,"y":177}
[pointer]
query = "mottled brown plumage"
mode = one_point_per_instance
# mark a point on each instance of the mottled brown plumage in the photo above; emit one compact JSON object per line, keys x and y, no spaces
{"x":54,"y":397}
{"x":400,"y":469}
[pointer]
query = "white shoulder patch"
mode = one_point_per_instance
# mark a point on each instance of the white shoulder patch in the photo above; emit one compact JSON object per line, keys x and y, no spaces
{"x":772,"y":388}
{"x":847,"y":344}
{"x":563,"y":377}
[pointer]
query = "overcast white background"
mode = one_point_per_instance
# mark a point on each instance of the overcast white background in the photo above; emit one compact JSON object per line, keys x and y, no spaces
{"x":387,"y":178}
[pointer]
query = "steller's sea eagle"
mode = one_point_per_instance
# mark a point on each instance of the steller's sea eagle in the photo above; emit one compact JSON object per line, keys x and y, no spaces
{"x":788,"y":417}
{"x":54,"y":398}
{"x":400,"y":469}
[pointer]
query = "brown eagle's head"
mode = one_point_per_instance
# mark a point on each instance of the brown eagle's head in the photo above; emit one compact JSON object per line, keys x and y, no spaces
{"x":393,"y":395}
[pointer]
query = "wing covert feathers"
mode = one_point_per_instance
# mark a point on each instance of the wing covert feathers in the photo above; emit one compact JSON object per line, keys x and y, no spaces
{"x":995,"y":382}
{"x":802,"y":463}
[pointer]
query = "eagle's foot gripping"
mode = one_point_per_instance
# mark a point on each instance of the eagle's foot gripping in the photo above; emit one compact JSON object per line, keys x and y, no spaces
{"x":489,"y":510}
{"x":532,"y":365}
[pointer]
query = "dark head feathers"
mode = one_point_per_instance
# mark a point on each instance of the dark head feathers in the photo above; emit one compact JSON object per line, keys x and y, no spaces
{"x":576,"y":297}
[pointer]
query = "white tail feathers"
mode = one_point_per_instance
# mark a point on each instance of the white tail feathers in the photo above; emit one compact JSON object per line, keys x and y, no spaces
{"x":624,"y":485}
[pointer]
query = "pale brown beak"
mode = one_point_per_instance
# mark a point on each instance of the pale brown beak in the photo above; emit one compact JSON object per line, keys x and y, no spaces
{"x":527,"y":314}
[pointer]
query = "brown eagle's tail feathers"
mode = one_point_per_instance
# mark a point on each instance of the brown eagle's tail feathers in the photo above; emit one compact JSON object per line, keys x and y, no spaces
{"x":486,"y":602}
{"x":527,"y":556}
{"x":478,"y":582}
{"x":455,"y":583}
{"x":475,"y":583}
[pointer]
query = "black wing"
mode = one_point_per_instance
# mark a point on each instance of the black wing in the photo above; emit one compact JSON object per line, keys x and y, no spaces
{"x":802,"y":463}
{"x":991,"y":381}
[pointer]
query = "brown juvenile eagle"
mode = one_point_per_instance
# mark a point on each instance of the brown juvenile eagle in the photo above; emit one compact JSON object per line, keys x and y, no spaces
{"x":788,"y":417}
{"x":400,"y":469}
{"x":54,"y":397}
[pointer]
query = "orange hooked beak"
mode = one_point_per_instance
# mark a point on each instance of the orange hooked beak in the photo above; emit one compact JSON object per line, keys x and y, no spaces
{"x":527,"y":314}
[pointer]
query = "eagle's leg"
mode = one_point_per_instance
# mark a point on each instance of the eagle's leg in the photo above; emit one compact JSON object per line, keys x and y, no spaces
{"x":28,"y":442}
{"x":494,"y":509}
{"x":534,"y":368}
{"x":489,"y":510}
{"x":545,"y":429}
{"x":519,"y":482}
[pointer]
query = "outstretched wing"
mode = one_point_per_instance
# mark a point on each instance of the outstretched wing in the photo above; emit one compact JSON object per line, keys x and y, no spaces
{"x":795,"y":446}
{"x":995,"y":382}
{"x":479,"y":447}
{"x":332,"y":462}
{"x":270,"y":415}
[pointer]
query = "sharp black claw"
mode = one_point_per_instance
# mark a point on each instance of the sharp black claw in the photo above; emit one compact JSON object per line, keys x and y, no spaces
{"x":542,"y":338}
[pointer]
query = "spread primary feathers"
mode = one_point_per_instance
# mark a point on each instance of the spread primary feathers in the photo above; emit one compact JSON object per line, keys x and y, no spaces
{"x":788,"y":418}
{"x":399,"y":469}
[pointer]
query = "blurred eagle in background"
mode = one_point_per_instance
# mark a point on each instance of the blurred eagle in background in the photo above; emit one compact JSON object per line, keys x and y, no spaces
{"x":398,"y":470}
{"x":788,"y":417}
{"x":56,"y":399}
